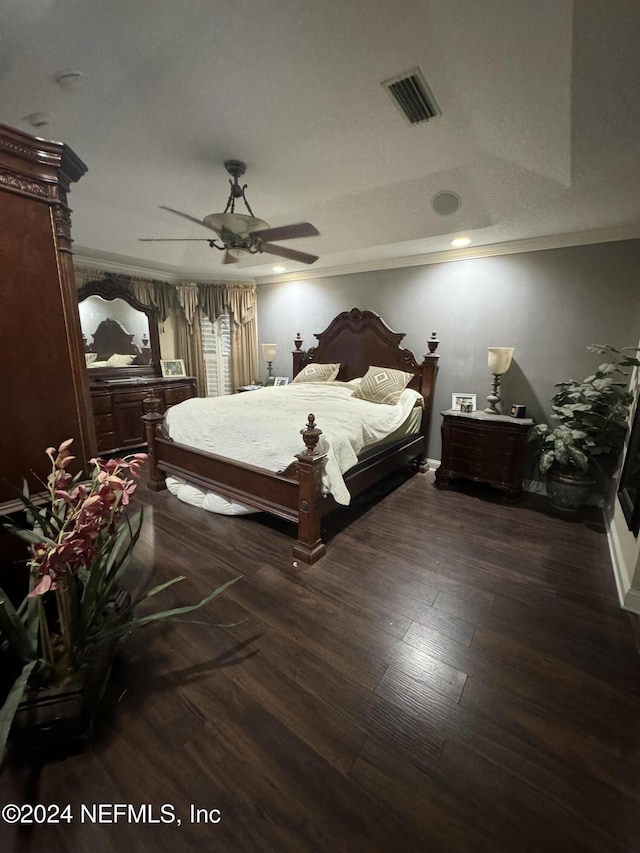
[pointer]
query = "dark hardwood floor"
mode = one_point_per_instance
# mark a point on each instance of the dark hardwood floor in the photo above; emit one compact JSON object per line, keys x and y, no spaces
{"x":455,"y":675}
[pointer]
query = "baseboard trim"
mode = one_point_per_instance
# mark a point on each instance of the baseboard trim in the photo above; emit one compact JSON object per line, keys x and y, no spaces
{"x":622,"y":586}
{"x":632,"y":602}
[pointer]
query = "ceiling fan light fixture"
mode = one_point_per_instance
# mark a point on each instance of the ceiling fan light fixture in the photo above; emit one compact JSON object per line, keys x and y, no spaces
{"x":236,"y":223}
{"x":237,"y":253}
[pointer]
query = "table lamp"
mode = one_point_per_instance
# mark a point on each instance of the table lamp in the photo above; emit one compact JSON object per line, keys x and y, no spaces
{"x":499,"y":362}
{"x":269,"y":354}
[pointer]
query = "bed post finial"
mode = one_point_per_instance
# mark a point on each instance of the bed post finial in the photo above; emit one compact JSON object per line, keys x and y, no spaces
{"x":433,"y":342}
{"x":311,"y":435}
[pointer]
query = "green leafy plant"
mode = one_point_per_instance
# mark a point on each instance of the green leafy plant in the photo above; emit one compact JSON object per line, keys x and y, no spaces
{"x":592,"y":419}
{"x":81,"y":541}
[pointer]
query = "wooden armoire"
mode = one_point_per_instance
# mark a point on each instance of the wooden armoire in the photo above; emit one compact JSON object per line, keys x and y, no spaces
{"x":43,"y":385}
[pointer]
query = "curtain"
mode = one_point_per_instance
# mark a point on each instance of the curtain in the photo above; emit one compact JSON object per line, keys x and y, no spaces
{"x":188,"y":334}
{"x":182,"y":300}
{"x":160,"y":294}
{"x":212,"y":299}
{"x":244,"y":334}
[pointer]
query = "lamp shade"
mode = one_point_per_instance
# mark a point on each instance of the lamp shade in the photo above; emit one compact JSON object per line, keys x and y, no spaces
{"x":500,"y":359}
{"x":269,"y":351}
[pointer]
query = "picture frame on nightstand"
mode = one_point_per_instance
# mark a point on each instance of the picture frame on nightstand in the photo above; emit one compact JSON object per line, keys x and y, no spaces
{"x":463,"y":402}
{"x":281,"y":380}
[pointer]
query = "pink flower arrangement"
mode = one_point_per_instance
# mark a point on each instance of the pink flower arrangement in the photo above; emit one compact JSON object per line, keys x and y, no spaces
{"x":81,"y":540}
{"x":80,"y":517}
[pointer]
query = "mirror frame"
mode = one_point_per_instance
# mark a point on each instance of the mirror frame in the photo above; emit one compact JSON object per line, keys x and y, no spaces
{"x":110,"y":289}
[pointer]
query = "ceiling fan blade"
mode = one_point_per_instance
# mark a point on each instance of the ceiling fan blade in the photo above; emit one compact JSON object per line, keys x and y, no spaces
{"x":284,"y":252}
{"x":287,"y":232}
{"x":229,"y":259}
{"x":174,"y":239}
{"x":187,"y":216}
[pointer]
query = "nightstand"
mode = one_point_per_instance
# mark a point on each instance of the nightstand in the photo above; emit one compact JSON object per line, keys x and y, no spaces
{"x":486,"y":448}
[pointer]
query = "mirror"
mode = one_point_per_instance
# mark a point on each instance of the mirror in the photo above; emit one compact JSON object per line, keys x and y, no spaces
{"x":120,"y":334}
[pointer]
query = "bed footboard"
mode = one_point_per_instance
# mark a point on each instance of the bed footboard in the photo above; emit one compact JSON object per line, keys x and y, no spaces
{"x":295,"y":495}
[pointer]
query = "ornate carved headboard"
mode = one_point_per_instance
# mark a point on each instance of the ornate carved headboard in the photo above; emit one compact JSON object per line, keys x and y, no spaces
{"x":110,"y":338}
{"x":359,"y":339}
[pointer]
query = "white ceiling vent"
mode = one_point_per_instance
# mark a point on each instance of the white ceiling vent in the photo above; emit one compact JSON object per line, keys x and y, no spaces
{"x":411,"y":94}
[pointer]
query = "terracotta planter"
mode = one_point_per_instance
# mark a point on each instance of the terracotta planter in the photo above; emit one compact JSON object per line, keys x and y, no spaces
{"x":568,"y":493}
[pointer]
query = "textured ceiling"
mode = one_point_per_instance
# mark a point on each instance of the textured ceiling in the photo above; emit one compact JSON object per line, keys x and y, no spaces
{"x":539,"y":133}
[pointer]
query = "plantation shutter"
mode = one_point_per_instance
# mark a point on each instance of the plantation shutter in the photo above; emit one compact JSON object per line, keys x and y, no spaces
{"x":216,"y":348}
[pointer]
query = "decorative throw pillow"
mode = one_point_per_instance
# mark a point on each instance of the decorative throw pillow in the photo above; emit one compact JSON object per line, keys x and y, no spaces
{"x":318,"y":373}
{"x":119,"y":359}
{"x":90,"y":357}
{"x":382,"y":385}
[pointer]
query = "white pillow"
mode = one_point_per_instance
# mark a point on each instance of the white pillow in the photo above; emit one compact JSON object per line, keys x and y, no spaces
{"x":119,"y":359}
{"x":318,"y":373}
{"x":90,"y":357}
{"x":382,"y":385}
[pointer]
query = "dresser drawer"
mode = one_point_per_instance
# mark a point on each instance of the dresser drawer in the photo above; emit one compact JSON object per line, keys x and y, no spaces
{"x":104,"y":423}
{"x":130,"y":397}
{"x":177,"y":395}
{"x":101,"y":404}
{"x":106,"y":441}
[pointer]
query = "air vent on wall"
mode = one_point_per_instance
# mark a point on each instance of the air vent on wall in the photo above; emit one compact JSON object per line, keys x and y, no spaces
{"x":411,"y":94}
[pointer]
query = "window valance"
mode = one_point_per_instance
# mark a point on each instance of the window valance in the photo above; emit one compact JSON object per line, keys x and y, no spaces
{"x":212,"y":298}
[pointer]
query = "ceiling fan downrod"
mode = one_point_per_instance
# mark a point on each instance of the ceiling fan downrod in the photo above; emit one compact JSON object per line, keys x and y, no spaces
{"x":236,"y":168}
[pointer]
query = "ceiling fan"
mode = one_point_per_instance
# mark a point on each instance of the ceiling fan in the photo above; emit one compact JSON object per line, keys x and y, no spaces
{"x":239,"y":233}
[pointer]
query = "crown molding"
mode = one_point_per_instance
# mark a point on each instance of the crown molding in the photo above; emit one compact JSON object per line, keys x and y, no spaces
{"x":133,"y":267}
{"x":533,"y":244}
{"x":130,"y":266}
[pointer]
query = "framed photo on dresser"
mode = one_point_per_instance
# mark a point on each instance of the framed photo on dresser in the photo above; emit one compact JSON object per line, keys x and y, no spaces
{"x":172,"y":367}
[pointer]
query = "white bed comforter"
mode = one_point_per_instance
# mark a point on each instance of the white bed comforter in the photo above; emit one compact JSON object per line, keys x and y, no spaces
{"x":262,"y":427}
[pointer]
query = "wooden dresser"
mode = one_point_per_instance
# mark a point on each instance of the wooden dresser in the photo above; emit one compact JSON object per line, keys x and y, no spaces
{"x":118,"y":406}
{"x":486,"y":448}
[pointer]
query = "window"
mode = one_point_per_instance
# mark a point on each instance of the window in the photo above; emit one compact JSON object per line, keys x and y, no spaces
{"x":216,"y":348}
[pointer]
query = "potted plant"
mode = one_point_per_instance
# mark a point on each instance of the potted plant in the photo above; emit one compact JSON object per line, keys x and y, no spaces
{"x":592,"y":418}
{"x":58,"y":643}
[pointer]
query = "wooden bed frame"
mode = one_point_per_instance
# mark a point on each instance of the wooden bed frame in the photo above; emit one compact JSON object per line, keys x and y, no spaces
{"x":357,"y":339}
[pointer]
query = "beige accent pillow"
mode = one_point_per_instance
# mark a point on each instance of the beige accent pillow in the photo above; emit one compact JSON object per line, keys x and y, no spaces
{"x":120,"y":359}
{"x":318,"y":373}
{"x":382,"y":385}
{"x":90,"y":357}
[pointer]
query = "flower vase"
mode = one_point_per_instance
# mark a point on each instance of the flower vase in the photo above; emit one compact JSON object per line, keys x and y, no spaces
{"x":60,"y":718}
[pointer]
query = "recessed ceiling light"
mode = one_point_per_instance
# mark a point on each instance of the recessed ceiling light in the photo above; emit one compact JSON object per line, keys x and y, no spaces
{"x":461,"y":241}
{"x":279,"y":268}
